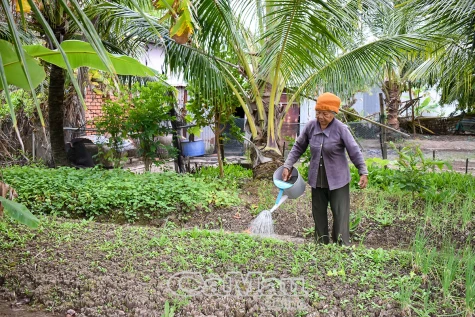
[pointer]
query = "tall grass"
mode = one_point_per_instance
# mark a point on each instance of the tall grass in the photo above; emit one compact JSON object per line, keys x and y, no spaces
{"x":423,"y":258}
{"x":450,"y":264}
{"x":428,"y":212}
{"x":466,"y":212}
{"x":469,"y":259}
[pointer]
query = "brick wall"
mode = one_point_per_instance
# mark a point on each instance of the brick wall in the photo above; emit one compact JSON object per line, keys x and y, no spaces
{"x":94,"y":109}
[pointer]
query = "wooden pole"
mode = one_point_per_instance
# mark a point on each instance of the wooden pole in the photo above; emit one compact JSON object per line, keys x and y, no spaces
{"x":412,"y":110}
{"x":413,"y":123}
{"x":384,"y":146}
{"x":466,"y":166}
{"x":374,"y":122}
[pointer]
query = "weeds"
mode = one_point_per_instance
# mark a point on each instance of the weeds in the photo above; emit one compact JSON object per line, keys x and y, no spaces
{"x":403,"y":296}
{"x":169,"y":311}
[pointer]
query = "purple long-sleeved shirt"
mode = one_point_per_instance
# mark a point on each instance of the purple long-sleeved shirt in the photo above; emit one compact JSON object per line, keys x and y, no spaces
{"x":333,"y":140}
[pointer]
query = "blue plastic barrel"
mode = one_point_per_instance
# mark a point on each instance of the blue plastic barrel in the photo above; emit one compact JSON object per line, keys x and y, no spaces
{"x":196,"y":148}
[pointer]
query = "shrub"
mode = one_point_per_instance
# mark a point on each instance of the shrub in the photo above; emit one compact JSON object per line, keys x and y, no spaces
{"x":149,"y":116}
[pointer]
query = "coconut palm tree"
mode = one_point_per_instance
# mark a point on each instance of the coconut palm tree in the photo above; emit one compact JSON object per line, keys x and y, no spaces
{"x":275,"y":46}
{"x":451,"y":64}
{"x":385,"y":21}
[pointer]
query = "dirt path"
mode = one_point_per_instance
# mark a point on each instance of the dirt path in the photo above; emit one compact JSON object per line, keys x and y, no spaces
{"x":439,"y":143}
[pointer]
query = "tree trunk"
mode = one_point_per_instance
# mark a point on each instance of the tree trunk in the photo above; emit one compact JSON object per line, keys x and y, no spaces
{"x":179,"y":162}
{"x":393,"y":100}
{"x":265,"y":162}
{"x":56,"y":115}
{"x":146,"y":159}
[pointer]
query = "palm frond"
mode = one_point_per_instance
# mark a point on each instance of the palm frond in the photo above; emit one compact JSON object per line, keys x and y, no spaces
{"x":450,"y":65}
{"x":364,"y":65}
{"x":293,"y":42}
{"x":26,"y":36}
{"x":21,"y":56}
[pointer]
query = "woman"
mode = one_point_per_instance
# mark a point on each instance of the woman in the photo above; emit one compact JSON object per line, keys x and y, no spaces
{"x":329,"y":173}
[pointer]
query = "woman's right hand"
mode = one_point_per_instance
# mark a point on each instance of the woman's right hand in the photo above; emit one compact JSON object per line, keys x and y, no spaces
{"x":285,"y":174}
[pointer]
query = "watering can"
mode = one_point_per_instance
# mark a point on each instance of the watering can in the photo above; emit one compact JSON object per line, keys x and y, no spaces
{"x":293,"y":188}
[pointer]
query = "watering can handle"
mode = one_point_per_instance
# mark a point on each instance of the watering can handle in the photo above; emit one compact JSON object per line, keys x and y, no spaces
{"x":290,"y":173}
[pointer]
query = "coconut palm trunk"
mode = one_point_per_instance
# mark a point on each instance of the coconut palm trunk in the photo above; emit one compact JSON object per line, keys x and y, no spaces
{"x":392,"y":92}
{"x":56,"y":115}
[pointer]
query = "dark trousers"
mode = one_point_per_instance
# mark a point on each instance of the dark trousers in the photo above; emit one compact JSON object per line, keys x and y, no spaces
{"x":340,"y":205}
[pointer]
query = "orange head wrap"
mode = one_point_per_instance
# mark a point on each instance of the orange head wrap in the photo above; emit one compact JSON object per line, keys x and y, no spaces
{"x":328,"y":102}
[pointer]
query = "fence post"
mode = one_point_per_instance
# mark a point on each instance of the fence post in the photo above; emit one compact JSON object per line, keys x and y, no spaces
{"x":466,"y":166}
{"x":382,"y":117}
{"x":33,"y":150}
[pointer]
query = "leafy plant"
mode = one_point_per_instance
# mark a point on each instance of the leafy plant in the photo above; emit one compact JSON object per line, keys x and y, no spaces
{"x":234,"y":174}
{"x":21,"y":99}
{"x":149,"y":116}
{"x":413,"y":167}
{"x":18,"y":212}
{"x":308,"y":232}
{"x":115,"y":194}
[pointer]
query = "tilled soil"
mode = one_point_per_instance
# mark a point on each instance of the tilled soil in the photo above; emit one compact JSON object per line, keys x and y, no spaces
{"x":119,"y":270}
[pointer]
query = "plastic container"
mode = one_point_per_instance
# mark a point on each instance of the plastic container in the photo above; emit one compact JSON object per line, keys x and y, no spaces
{"x":196,"y":148}
{"x":298,"y":183}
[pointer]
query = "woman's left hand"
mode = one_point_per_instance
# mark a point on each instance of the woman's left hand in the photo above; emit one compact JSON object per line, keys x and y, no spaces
{"x":363,"y":181}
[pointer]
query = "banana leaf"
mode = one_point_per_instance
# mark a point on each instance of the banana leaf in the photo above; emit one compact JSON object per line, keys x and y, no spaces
{"x":83,"y":54}
{"x":19,"y":212}
{"x":14,"y":71}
